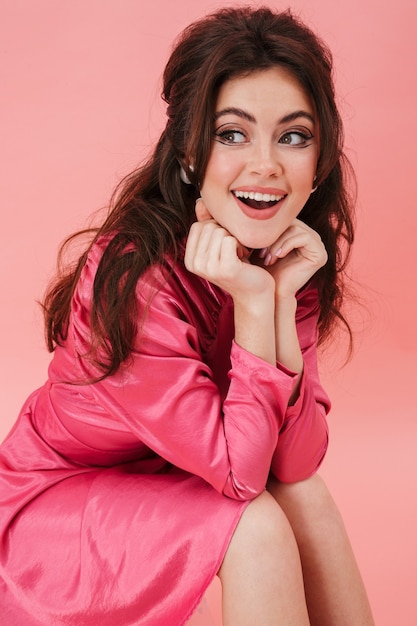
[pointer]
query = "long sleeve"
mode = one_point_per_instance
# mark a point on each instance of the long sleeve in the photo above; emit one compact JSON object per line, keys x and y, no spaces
{"x":168,"y":398}
{"x":303,"y":438}
{"x":172,"y":397}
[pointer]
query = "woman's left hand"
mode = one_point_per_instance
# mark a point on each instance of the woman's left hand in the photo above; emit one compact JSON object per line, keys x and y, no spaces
{"x":294,"y":258}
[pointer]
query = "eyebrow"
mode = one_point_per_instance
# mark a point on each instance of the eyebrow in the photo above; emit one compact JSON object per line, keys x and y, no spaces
{"x":291,"y":117}
{"x":235,"y":111}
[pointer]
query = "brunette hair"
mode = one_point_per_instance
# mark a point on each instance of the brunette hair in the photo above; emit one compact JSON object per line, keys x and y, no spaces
{"x":152,"y":209}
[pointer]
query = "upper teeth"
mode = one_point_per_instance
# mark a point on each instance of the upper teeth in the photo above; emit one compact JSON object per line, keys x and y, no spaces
{"x":257,"y":196}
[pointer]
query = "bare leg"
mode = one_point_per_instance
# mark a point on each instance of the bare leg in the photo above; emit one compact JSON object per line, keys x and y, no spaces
{"x":261,"y":573}
{"x":334,"y":589}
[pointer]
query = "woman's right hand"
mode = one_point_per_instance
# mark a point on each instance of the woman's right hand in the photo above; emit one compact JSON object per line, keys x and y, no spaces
{"x":214,"y":254}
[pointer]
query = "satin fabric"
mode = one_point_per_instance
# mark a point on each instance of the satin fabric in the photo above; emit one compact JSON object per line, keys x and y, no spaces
{"x":119,"y":497}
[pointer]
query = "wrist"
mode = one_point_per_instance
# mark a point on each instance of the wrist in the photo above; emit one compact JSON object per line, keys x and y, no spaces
{"x":287,"y":343}
{"x":255,"y":325}
{"x":255,"y":304}
{"x":286,"y":301}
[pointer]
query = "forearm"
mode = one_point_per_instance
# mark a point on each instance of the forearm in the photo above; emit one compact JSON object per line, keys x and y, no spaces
{"x":253,"y":415}
{"x":302,"y":444}
{"x":255,"y":326}
{"x":287,"y":346}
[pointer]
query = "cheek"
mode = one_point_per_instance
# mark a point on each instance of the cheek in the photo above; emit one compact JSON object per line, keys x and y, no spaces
{"x":221,"y":170}
{"x":304,"y":178}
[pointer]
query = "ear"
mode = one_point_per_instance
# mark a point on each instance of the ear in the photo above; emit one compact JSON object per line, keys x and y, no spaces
{"x":201,"y":211}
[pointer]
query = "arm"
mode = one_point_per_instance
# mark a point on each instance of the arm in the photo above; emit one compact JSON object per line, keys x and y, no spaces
{"x":168,"y":398}
{"x":303,"y":438}
{"x":166,"y":395}
{"x":292,"y":261}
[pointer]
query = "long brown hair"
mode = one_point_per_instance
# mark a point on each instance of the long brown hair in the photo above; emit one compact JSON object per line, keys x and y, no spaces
{"x":152,"y":209}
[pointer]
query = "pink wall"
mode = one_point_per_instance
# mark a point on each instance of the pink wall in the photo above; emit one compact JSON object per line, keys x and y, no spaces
{"x":79,"y":97}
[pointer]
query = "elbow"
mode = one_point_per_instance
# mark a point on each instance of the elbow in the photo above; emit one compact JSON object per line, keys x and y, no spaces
{"x":242,"y":492}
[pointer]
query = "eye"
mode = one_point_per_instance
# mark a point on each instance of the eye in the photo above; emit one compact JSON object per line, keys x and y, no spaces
{"x":295,"y":138}
{"x":230,"y":136}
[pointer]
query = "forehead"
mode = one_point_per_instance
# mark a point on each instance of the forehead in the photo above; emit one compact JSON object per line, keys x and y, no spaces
{"x":275,"y":86}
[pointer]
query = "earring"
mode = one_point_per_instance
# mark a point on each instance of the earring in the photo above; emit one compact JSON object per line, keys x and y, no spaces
{"x":314,"y":188}
{"x":183,"y":175}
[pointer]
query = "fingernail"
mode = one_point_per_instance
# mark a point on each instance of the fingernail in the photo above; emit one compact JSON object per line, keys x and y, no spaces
{"x":278,"y":252}
{"x":262,"y":253}
{"x":268,"y":259}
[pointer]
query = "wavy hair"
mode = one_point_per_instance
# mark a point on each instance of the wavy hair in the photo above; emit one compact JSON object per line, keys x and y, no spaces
{"x":152,"y":209}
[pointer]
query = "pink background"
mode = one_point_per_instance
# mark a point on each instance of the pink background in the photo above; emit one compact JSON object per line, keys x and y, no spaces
{"x":80,"y":107}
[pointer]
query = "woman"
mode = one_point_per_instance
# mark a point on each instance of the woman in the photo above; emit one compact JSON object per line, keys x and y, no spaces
{"x":182,"y":424}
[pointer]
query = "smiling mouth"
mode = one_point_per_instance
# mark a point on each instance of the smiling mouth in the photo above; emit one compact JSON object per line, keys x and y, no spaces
{"x":257,"y":200}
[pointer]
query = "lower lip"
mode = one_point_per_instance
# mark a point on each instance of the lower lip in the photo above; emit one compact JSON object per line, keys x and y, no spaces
{"x":259,"y":214}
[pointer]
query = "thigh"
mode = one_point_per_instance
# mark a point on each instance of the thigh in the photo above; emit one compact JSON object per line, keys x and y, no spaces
{"x":112,"y":547}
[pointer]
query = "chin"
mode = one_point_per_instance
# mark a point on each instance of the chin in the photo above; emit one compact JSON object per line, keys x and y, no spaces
{"x":258,"y":242}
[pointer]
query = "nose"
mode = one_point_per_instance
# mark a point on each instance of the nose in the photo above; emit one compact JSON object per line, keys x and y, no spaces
{"x":265,"y":160}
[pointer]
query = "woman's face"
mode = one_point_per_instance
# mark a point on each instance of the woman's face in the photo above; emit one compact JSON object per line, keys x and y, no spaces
{"x":263,"y":158}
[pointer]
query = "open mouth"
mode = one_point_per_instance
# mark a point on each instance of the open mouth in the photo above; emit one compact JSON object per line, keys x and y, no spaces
{"x":257,"y":200}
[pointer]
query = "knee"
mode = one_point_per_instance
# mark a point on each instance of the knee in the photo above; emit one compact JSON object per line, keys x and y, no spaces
{"x":312,"y":491}
{"x":309,"y":499}
{"x":264,"y":526}
{"x":262,"y":561}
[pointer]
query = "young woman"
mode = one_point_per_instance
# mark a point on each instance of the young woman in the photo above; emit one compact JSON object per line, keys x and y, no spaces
{"x":182,"y":423}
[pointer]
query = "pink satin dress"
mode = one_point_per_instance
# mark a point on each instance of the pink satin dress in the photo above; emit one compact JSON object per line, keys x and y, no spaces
{"x":118,"y":498}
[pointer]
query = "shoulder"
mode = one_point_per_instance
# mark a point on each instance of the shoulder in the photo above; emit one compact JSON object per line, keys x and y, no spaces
{"x":83,"y":292}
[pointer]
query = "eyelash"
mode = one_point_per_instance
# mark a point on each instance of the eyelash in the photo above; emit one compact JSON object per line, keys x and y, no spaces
{"x":303,"y":136}
{"x":223,"y":134}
